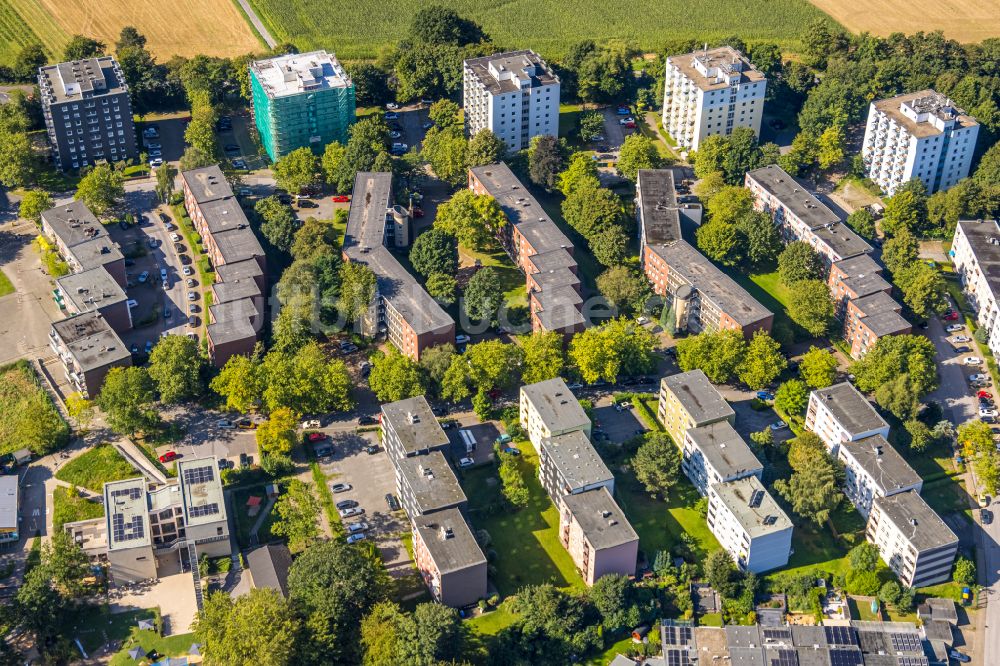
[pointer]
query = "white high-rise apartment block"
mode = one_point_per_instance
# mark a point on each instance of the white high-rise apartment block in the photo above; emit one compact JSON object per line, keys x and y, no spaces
{"x":749,"y":524}
{"x":711,"y":92}
{"x":975,"y":251}
{"x":918,"y":135}
{"x":912,"y":539}
{"x":515,"y":95}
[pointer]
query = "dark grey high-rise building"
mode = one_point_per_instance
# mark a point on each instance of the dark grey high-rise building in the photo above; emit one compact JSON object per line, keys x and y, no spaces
{"x":87,"y":112}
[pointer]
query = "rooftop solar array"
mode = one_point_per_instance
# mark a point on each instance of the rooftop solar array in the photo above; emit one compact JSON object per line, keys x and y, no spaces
{"x":777,"y":635}
{"x":677,"y":635}
{"x":912,"y":661}
{"x":205,"y":510}
{"x":785,"y":657}
{"x":677,"y":657}
{"x":199,"y":474}
{"x":130,"y":530}
{"x":837,"y":635}
{"x":130,"y":493}
{"x":845,"y":657}
{"x":905,"y":642}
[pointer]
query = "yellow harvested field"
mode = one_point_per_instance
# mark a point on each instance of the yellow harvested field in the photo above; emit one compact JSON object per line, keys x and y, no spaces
{"x":964,"y":20}
{"x":171,"y":27}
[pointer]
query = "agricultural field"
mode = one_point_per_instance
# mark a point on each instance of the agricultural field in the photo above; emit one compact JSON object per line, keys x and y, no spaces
{"x":549,"y":26}
{"x":963,"y":20}
{"x":179,"y":27}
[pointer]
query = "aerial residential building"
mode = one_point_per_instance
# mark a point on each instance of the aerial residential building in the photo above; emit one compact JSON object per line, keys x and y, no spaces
{"x":268,"y":567}
{"x":699,"y":295}
{"x":711,"y":92}
{"x":801,"y":216}
{"x":449,"y":559}
{"x":95,"y":290}
{"x":597,"y":535}
{"x":688,"y":400}
{"x":918,"y":135}
{"x":868,"y":319}
{"x":536,"y":245}
{"x":854,"y":278}
{"x":749,"y":524}
{"x":426,"y":484}
{"x":82,"y":241}
{"x":975,"y":251}
{"x":10,"y":515}
{"x":301,"y":100}
{"x":660,"y":207}
{"x":839,"y":413}
{"x":874,"y":468}
{"x":409,"y":428}
{"x":401,"y":311}
{"x":515,"y":95}
{"x":88,"y":348}
{"x":568,"y":464}
{"x":549,"y":409}
{"x":913,"y":540}
{"x":87,"y":111}
{"x":715,"y":453}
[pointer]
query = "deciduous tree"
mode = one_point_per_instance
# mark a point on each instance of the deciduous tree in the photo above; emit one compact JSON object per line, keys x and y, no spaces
{"x":259,"y":627}
{"x":762,"y":362}
{"x":818,"y":368}
{"x":434,"y":251}
{"x":33,"y":204}
{"x":484,"y":295}
{"x":717,"y":354}
{"x":175,"y":367}
{"x":799,"y":261}
{"x":624,"y":288}
{"x":812,"y":490}
{"x":638,"y":152}
{"x":581,"y":171}
{"x":484,"y":148}
{"x":810,"y":306}
{"x":297,"y":511}
{"x":792,"y":396}
{"x":297,"y":171}
{"x":126,"y":398}
{"x":240,"y":382}
{"x":474,"y":219}
{"x":357,"y":289}
{"x":395,"y":376}
{"x":101,"y":189}
{"x":543,"y":356}
{"x":656,"y":464}
{"x":545,"y":161}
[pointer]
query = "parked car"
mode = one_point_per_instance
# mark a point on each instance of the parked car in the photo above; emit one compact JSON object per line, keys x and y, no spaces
{"x":623,"y":110}
{"x":316,"y":437}
{"x":418,"y":212}
{"x":979,"y":377}
{"x":394,"y":134}
{"x":367,"y":420}
{"x":951,"y":315}
{"x":427,"y":125}
{"x":353,"y":511}
{"x":512,"y":450}
{"x":168,"y":456}
{"x":356,"y":537}
{"x":502,"y":439}
{"x":371,"y":449}
{"x":972,"y":360}
{"x":391,"y":502}
{"x":187,"y":270}
{"x":390,"y":115}
{"x":766,"y":396}
{"x":960,"y":656}
{"x":466,"y":462}
{"x":156,"y":162}
{"x":963,"y":349}
{"x":311,"y":423}
{"x":984,"y":394}
{"x":149,"y":346}
{"x":340,"y":198}
{"x":392,"y":106}
{"x":340,"y":487}
{"x":132,"y":303}
{"x":988,"y":412}
{"x":134,"y":348}
{"x":354,"y":528}
{"x":779,"y":425}
{"x":191,"y":282}
{"x":239,"y":164}
{"x":954,"y":328}
{"x":246,"y":424}
{"x":625,"y":121}
{"x":225,"y":424}
{"x":231,"y":148}
{"x":347,"y":504}
{"x":575,"y":386}
{"x":143,"y":276}
{"x":961,"y":338}
{"x":984,"y":499}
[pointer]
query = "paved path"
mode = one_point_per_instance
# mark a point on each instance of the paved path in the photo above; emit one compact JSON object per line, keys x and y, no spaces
{"x":262,"y":517}
{"x":258,"y":24}
{"x":138,"y":459}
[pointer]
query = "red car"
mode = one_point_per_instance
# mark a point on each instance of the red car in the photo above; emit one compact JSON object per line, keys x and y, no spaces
{"x":629,"y":125}
{"x":168,"y":456}
{"x":315,"y":437}
{"x":951,"y":316}
{"x":984,"y":394}
{"x":340,"y":198}
{"x":418,"y":212}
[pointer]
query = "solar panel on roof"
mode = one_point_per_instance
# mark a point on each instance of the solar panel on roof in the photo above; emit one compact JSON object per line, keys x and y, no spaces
{"x":845,"y":657}
{"x":199,"y":474}
{"x":905,"y":642}
{"x":677,"y":657}
{"x":756,"y":498}
{"x":131,"y":493}
{"x":777,"y":635}
{"x":784,"y":658}
{"x":677,"y":635}
{"x":912,"y":661}
{"x":838,"y":635}
{"x":205,"y":510}
{"x":122,"y":530}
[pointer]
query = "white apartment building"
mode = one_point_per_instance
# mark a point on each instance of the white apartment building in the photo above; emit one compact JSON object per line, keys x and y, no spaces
{"x":515,"y":95}
{"x":716,"y":453}
{"x":975,"y":251}
{"x":711,"y":91}
{"x":873,"y":468}
{"x":549,"y":409}
{"x":911,"y":539}
{"x":918,"y":135}
{"x":749,"y":524}
{"x":839,"y":413}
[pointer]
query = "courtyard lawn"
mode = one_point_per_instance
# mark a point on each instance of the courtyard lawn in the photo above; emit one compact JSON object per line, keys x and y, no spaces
{"x":816,"y":549}
{"x":861,"y":610}
{"x":69,"y":508}
{"x":526,"y":541}
{"x":767,"y":289}
{"x":660,"y":529}
{"x":512,"y":280}
{"x":96,"y":467}
{"x":167,"y":646}
{"x":492,"y":623}
{"x":244,"y":521}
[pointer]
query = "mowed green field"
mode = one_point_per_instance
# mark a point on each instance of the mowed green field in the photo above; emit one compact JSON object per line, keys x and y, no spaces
{"x":356,"y":29}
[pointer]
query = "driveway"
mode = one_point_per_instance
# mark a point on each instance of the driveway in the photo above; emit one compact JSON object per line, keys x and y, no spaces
{"x":614,"y":133}
{"x":954,"y":394}
{"x":171,"y":136}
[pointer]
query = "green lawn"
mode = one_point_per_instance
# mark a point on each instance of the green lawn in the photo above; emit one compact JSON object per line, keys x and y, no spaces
{"x":69,"y":508}
{"x":169,"y":646}
{"x":96,"y":467}
{"x":492,"y":623}
{"x":861,"y":610}
{"x":6,"y":287}
{"x":526,"y":541}
{"x":660,"y":529}
{"x":710,"y":620}
{"x":511,"y":278}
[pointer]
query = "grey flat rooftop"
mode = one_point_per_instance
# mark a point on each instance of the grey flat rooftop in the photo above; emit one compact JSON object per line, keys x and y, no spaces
{"x":432,"y":481}
{"x":862,"y":264}
{"x":74,"y":223}
{"x":842,"y":240}
{"x":807,"y":636}
{"x":363,"y":243}
{"x":979,"y":233}
{"x":851,"y":409}
{"x":230,"y":330}
{"x":201,"y":491}
{"x":794,"y":195}
{"x":875,"y":303}
{"x":724,"y":449}
{"x":242,"y":309}
{"x":720,"y":57}
{"x":91,"y":340}
{"x":8,"y":502}
{"x":576,"y":459}
{"x":522,"y":65}
{"x":886,"y":323}
{"x":561,"y":317}
{"x":91,"y":290}
{"x":811,"y":656}
{"x":743,"y":636}
{"x":79,"y":79}
{"x":238,"y":244}
{"x":554,"y":278}
{"x":236,"y":290}
{"x":554,"y":260}
{"x":127,"y":514}
{"x":97,"y":252}
{"x":238,"y":270}
{"x":866,"y":284}
{"x":450,"y":553}
{"x":560,"y":296}
{"x":698,"y":397}
{"x":223,"y":214}
{"x":422,"y":432}
{"x":935,"y":102}
{"x":939,"y":609}
{"x":882,"y":462}
{"x":300,"y":74}
{"x":556,"y":405}
{"x":603,"y":523}
{"x":745,"y":656}
{"x":207,"y":183}
{"x":736,"y":496}
{"x":658,"y":205}
{"x":939,"y":630}
{"x":928,"y":532}
{"x":711,"y":283}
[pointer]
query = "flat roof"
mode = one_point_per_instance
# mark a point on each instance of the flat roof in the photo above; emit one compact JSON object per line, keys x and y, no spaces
{"x":363,"y":243}
{"x":743,"y":636}
{"x":230,"y":330}
{"x":559,"y":296}
{"x":91,"y":340}
{"x":548,"y":280}
{"x":74,"y":223}
{"x":764,"y":518}
{"x":556,"y":405}
{"x":238,"y":244}
{"x":916,"y":520}
{"x":711,"y":283}
{"x":414,"y":423}
{"x":449,"y":541}
{"x":127,"y":514}
{"x":238,"y":270}
{"x":841,"y":240}
{"x":866,"y":284}
{"x":807,"y":636}
{"x":79,"y":79}
{"x":602,"y":521}
{"x":244,"y":308}
{"x":880,"y":460}
{"x":979,"y":233}
{"x":562,"y":316}
{"x":552,"y":260}
{"x":201,"y":491}
{"x":512,"y":68}
{"x":576,"y":459}
{"x":927,"y":101}
{"x":720,"y":58}
{"x":710,"y":643}
{"x":724,"y":449}
{"x":223,"y":214}
{"x":432,"y":481}
{"x":235,"y":290}
{"x":793,"y":195}
{"x":8,"y":502}
{"x":207,"y":183}
{"x":97,"y":252}
{"x":861,"y":264}
{"x":661,"y":218}
{"x":300,"y":74}
{"x":851,"y":409}
{"x":697,"y":396}
{"x":886,"y":322}
{"x":91,"y":289}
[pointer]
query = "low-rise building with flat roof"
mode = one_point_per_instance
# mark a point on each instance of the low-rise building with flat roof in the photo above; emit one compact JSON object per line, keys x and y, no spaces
{"x":449,"y":559}
{"x":549,"y":409}
{"x":82,"y":241}
{"x":839,"y":413}
{"x":856,"y":277}
{"x":426,"y":484}
{"x":130,"y":546}
{"x":597,"y":535}
{"x":10,"y":527}
{"x":749,"y":524}
{"x":912,"y":539}
{"x":873,"y":468}
{"x":409,"y":428}
{"x":88,"y":348}
{"x":688,"y":400}
{"x":715,"y":453}
{"x":95,"y":290}
{"x":568,"y":464}
{"x":871,"y":318}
